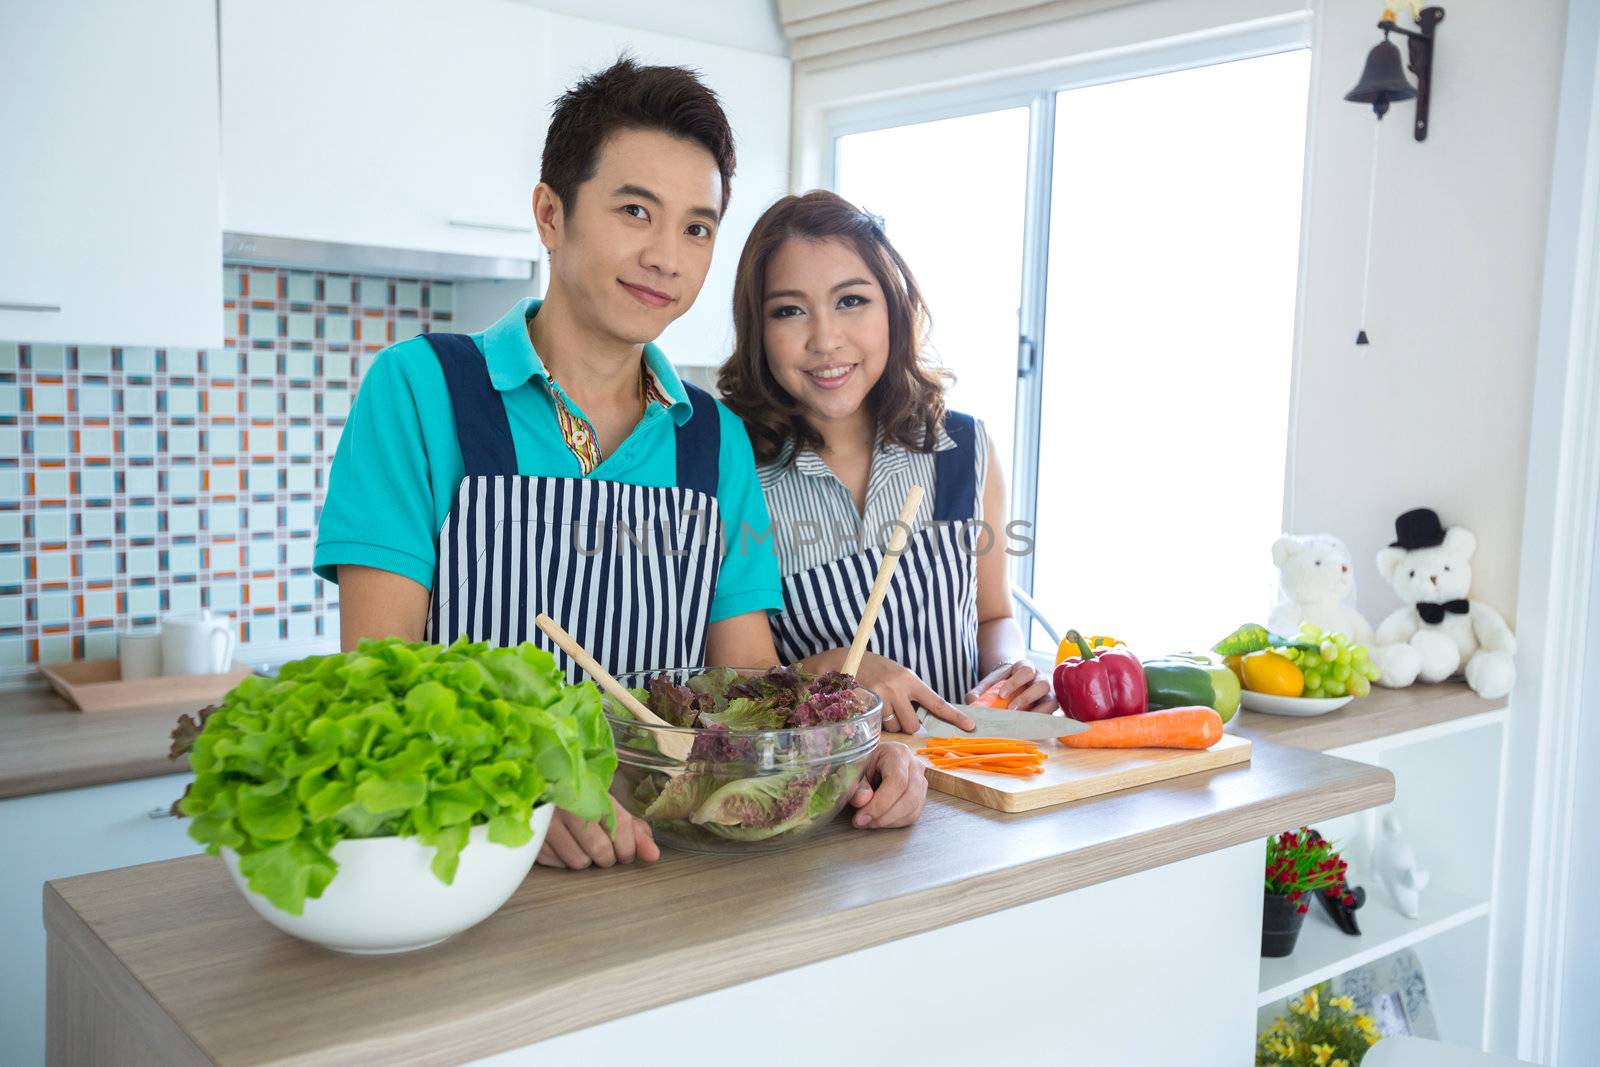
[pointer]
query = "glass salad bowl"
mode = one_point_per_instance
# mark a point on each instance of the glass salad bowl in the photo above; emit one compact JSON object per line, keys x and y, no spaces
{"x":771,"y":755}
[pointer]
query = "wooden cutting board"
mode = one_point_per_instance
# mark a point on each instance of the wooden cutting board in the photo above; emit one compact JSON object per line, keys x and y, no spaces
{"x":97,"y":685}
{"x":1075,"y":773}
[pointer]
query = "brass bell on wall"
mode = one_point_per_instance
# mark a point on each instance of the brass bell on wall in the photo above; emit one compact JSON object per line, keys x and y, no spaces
{"x":1384,"y":79}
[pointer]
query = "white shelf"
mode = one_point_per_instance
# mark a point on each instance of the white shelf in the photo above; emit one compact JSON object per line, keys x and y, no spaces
{"x":1324,"y":950}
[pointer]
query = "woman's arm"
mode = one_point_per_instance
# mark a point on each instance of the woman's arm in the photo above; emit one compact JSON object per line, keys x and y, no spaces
{"x":1002,"y":653}
{"x":741,"y":641}
{"x":377,"y":603}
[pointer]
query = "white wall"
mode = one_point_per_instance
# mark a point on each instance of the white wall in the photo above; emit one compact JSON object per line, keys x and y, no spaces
{"x":1436,"y":412}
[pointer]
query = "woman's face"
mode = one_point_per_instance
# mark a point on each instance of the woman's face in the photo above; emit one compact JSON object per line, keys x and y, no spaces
{"x":826,"y":328}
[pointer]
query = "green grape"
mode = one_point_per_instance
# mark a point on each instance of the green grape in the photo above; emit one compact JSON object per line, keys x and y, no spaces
{"x":1313,"y":693}
{"x":1308,"y":630}
{"x":1341,"y":672}
{"x":1371,"y":671}
{"x":1359,"y":686}
{"x":1330,"y":651}
{"x":1333,"y":688}
{"x":1313,"y":679}
{"x":1358,"y":654}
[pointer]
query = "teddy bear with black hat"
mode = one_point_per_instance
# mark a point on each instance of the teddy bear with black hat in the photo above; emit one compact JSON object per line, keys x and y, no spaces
{"x":1441,"y":632}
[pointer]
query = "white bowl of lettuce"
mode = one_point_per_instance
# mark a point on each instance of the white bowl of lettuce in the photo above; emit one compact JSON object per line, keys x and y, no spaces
{"x":385,"y":799}
{"x":774,"y":755}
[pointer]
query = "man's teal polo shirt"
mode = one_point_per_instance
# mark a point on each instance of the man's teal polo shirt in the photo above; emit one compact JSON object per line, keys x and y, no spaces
{"x":398,"y":464}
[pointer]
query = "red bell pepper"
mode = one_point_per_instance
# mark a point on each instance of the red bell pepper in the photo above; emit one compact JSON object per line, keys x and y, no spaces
{"x":1103,"y":683}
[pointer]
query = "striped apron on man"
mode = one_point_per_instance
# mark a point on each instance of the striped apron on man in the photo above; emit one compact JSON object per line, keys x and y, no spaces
{"x":929,"y":619}
{"x":628,"y":570}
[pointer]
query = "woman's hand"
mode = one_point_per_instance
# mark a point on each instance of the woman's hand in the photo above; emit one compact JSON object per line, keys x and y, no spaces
{"x":575,"y":843}
{"x":1020,"y":683}
{"x":900,"y":690}
{"x":898,"y":792}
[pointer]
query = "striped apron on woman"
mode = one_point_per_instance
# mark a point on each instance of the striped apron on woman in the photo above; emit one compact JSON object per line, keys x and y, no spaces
{"x":628,"y":570}
{"x":929,"y":619}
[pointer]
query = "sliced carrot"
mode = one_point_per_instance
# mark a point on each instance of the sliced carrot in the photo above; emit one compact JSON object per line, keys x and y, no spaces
{"x":961,"y":761}
{"x":1193,"y":728}
{"x":961,"y":742}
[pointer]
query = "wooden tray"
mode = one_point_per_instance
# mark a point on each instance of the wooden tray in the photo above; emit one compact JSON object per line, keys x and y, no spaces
{"x":97,"y":685}
{"x":1075,"y":773}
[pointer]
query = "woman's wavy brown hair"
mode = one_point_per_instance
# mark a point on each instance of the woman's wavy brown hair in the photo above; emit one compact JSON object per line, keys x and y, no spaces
{"x":907,"y":401}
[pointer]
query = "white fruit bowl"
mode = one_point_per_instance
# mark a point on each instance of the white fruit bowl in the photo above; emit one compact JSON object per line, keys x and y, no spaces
{"x":1276,"y":705}
{"x":386,"y":898}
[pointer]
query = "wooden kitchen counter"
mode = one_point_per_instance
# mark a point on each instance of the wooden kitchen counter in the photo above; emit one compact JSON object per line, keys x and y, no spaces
{"x":166,"y":963}
{"x":47,"y":744}
{"x":1384,"y":713}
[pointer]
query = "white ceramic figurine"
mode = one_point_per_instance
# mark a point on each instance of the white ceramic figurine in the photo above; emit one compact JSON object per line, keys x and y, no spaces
{"x":1396,"y":864}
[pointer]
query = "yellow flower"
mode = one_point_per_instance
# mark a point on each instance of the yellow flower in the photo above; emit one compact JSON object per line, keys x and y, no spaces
{"x":1340,"y":1063}
{"x":1344,"y":1004}
{"x":1366,"y":1025}
{"x":1306,"y":1005}
{"x":1372,"y":1039}
{"x":1280,"y":1027}
{"x":1324,"y":1054}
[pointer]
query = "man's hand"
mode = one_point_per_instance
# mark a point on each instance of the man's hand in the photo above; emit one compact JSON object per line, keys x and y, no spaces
{"x":901,"y":691}
{"x":575,"y":843}
{"x":898,"y":791}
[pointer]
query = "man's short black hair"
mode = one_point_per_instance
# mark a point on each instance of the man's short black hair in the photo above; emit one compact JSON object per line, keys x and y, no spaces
{"x":627,"y":96}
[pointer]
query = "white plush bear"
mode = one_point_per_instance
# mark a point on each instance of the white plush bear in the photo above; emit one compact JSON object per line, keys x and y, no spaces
{"x":1431,"y":570}
{"x":1315,"y":576}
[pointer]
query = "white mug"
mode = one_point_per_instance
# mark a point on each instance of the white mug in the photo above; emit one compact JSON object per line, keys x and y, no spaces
{"x":197,"y":644}
{"x":139,"y":654}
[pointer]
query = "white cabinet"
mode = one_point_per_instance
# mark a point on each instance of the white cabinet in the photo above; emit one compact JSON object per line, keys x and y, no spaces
{"x":755,"y":94}
{"x":58,"y":835}
{"x":390,"y":123}
{"x":109,"y":230}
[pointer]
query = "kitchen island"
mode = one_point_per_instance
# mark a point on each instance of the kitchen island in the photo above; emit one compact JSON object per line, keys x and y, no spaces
{"x":1123,"y":929}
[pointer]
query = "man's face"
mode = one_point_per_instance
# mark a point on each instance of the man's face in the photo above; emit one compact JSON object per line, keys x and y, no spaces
{"x":631,"y":254}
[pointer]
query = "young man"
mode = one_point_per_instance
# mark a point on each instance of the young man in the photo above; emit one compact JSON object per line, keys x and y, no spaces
{"x":555,"y":462}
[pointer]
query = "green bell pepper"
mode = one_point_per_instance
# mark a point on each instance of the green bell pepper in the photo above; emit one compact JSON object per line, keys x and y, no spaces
{"x":1185,"y":680}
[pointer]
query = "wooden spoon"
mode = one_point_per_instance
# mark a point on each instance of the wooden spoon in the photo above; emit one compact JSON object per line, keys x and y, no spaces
{"x":880,"y":584}
{"x":674,"y":743}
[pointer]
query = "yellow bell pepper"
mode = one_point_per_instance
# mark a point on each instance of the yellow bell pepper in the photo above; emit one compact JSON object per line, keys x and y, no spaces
{"x":1068,"y":649}
{"x":1268,"y":672}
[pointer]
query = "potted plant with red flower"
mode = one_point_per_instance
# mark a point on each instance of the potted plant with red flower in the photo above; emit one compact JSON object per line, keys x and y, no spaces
{"x":1299,"y":863}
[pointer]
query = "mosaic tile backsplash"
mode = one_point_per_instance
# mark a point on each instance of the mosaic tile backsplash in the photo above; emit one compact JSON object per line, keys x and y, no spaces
{"x":140,"y":481}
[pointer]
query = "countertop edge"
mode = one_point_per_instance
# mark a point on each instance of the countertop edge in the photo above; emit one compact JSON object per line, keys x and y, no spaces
{"x":44,"y":783}
{"x":112,"y":979}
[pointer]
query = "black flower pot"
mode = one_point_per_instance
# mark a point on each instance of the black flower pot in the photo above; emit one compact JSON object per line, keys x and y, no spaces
{"x":1280,"y":925}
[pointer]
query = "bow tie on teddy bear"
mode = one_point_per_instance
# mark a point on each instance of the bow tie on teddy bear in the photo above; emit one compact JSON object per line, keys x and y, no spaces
{"x":1433,"y":614}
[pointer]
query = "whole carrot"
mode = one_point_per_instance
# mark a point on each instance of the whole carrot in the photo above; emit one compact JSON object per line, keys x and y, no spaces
{"x":1173,"y":728}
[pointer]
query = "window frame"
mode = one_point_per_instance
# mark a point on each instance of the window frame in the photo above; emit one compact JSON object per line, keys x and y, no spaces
{"x":1037,"y":90}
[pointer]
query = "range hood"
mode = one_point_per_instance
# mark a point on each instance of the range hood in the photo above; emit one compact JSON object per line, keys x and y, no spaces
{"x":254,"y":250}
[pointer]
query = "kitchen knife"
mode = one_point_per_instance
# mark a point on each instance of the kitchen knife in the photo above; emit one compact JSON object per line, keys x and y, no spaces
{"x":1003,"y":722}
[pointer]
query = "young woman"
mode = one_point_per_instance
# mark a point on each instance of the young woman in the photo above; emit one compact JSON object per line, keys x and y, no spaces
{"x":845,"y":412}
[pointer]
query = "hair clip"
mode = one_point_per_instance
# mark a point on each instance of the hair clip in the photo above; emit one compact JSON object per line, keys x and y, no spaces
{"x":875,"y":221}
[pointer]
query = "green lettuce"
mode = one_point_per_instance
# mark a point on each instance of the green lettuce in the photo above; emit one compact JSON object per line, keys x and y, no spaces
{"x":743,"y":713}
{"x":393,"y":739}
